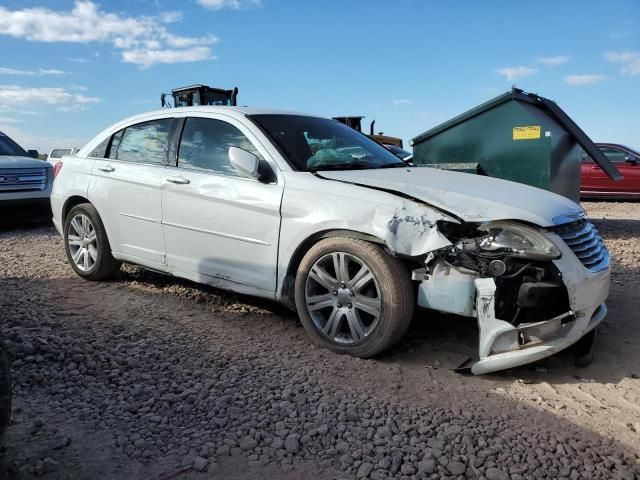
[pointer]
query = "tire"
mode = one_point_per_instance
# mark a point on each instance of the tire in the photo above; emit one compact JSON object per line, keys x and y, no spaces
{"x":339,"y":311}
{"x":5,"y":390}
{"x":87,"y":233}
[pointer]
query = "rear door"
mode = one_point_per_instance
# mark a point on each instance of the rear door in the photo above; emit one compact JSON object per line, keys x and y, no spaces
{"x":586,"y":173}
{"x":126,"y":190}
{"x":220,"y":227}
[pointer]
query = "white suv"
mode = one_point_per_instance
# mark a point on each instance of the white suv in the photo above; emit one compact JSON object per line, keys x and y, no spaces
{"x":310,"y":212}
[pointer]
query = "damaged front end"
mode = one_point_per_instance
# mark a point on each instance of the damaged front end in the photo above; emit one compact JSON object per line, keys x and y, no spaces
{"x":527,"y":287}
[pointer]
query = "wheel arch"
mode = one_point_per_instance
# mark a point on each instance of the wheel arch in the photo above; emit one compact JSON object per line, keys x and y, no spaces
{"x":70,"y":203}
{"x":77,"y":200}
{"x":287,"y":294}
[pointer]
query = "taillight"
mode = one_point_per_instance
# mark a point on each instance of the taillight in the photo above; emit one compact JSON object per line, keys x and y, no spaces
{"x":56,"y":169}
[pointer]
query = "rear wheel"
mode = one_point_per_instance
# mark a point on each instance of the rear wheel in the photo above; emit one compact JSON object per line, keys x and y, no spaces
{"x":352,"y":297}
{"x":5,"y":390}
{"x":87,"y":245}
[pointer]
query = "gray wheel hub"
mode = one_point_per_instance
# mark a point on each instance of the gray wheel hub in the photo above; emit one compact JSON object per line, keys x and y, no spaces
{"x":83,"y":242}
{"x":343,"y":298}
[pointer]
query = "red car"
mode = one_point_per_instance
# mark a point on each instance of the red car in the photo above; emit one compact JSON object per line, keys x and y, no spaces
{"x":595,"y":183}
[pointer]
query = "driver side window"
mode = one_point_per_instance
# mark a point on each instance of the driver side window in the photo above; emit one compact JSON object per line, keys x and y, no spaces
{"x":614,"y":155}
{"x":205,"y":143}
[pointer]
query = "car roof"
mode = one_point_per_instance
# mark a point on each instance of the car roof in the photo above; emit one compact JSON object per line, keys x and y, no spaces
{"x":234,"y":111}
{"x":619,"y":145}
{"x":237,"y":112}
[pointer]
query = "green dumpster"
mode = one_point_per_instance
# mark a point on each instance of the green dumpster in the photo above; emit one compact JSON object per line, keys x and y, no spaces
{"x":516,"y":136}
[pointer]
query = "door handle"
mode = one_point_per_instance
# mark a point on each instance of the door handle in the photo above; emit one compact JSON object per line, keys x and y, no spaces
{"x":178,"y":180}
{"x":106,"y":168}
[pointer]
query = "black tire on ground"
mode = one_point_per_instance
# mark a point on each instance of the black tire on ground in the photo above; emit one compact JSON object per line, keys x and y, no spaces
{"x":396,"y":292}
{"x":5,"y":390}
{"x":105,"y":265}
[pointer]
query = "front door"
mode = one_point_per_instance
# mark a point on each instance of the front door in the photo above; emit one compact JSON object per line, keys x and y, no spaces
{"x":126,"y":191}
{"x":625,"y":164}
{"x":220,"y":226}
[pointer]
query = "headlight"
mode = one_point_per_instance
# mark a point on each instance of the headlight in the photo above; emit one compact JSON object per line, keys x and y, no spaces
{"x":518,"y":239}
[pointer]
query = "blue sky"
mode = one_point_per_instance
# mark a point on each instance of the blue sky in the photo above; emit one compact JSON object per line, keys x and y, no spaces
{"x":70,"y":68}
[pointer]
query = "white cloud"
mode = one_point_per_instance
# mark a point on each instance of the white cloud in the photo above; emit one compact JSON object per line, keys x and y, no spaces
{"x":39,"y":72}
{"x":38,"y":140}
{"x":553,"y":61}
{"x":232,"y":4}
{"x":516,"y":73}
{"x":620,"y":34}
{"x":86,"y":23}
{"x":146,"y":58}
{"x":171,"y":17}
{"x":16,"y":96}
{"x":10,"y":120}
{"x":7,"y":109}
{"x":401,"y":101}
{"x":584,"y":79}
{"x":50,"y":71}
{"x":630,"y":61}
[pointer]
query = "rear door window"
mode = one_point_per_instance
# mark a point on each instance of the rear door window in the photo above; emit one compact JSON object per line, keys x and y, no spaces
{"x":101,"y":150}
{"x":115,"y":143}
{"x":145,"y":142}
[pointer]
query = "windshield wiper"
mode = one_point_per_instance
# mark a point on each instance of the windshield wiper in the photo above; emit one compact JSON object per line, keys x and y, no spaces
{"x":343,"y":166}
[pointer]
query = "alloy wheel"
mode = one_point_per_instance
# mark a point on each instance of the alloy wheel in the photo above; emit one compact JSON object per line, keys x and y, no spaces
{"x":83,"y":242}
{"x":343,"y":298}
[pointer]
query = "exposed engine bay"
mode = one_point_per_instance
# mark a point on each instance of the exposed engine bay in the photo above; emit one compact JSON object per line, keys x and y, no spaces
{"x":529,"y":286}
{"x":503,"y":274}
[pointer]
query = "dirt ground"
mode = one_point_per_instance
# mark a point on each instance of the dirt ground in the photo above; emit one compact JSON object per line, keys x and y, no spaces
{"x":94,"y":365}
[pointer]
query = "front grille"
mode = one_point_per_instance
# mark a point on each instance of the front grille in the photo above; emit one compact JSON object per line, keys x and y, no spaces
{"x":585,"y":242}
{"x":23,"y":179}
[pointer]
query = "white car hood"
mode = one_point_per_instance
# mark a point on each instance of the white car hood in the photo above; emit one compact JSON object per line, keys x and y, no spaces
{"x":472,"y":198}
{"x":10,"y":161}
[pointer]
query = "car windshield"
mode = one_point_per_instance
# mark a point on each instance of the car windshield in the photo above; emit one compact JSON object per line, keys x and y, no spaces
{"x":398,"y":151}
{"x":59,"y":152}
{"x":9,"y":147}
{"x":311,"y":144}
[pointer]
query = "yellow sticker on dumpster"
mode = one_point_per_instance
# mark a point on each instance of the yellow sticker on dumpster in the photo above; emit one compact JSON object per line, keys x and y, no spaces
{"x":526,"y":133}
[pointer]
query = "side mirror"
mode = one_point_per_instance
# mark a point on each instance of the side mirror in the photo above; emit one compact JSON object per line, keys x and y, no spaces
{"x":631,"y":159}
{"x":249,"y":164}
{"x":33,"y":153}
{"x":245,"y":162}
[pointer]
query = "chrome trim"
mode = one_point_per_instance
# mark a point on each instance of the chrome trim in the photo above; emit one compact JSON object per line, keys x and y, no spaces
{"x":585,"y":242}
{"x":218,"y":234}
{"x":578,"y":214}
{"x":138,"y":217}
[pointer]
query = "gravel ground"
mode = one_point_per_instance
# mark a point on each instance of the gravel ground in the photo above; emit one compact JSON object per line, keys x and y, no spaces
{"x":151,"y":377}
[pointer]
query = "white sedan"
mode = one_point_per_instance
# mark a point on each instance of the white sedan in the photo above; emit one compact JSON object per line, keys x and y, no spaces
{"x":278,"y":205}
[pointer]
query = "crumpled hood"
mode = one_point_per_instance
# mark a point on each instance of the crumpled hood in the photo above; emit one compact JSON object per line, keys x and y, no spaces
{"x":10,"y":161}
{"x":473,"y":198}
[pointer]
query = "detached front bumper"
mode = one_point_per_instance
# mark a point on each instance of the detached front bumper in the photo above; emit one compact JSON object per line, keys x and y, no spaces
{"x":503,"y":345}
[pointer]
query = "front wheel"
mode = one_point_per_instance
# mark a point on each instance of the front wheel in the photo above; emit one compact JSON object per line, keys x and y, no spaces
{"x":87,"y":245}
{"x":353,"y":297}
